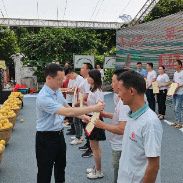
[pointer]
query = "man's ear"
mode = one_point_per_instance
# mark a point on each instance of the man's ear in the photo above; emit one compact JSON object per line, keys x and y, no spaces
{"x":132,"y":91}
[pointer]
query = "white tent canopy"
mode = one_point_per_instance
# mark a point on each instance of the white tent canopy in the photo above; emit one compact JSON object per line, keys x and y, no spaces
{"x":103,"y":11}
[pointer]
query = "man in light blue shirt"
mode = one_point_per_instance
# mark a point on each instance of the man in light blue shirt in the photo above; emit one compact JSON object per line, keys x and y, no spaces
{"x":140,"y":70}
{"x":50,"y":143}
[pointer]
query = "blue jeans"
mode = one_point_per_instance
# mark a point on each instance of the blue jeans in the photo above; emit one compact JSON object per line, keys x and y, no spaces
{"x":78,"y":127}
{"x":177,"y":107}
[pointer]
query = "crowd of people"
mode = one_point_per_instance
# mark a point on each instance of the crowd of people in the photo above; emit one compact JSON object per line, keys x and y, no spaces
{"x":135,"y":130}
{"x":163,"y":85}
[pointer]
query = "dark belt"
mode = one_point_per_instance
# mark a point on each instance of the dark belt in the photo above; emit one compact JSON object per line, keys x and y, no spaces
{"x":51,"y":132}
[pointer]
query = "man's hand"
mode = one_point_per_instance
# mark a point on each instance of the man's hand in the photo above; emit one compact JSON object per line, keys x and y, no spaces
{"x":77,"y":103}
{"x":99,"y":107}
{"x":103,"y":114}
{"x":147,"y":87}
{"x":86,"y":119}
{"x":177,"y":88}
{"x":99,"y":124}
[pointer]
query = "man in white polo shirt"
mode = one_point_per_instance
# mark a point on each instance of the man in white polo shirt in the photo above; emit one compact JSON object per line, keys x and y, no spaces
{"x":151,"y":76}
{"x":178,"y":96}
{"x":117,"y":126}
{"x":141,"y":150}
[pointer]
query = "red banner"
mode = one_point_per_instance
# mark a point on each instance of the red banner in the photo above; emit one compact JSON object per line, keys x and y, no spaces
{"x":168,"y":59}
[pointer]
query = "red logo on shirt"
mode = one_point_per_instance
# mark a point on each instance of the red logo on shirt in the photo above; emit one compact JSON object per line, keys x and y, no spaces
{"x":179,"y":77}
{"x":81,"y":85}
{"x":91,"y":95}
{"x":133,"y":135}
{"x":161,"y":78}
{"x":116,"y":109}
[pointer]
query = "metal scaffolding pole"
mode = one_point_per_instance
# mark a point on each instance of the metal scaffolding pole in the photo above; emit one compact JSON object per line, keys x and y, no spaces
{"x":59,"y":23}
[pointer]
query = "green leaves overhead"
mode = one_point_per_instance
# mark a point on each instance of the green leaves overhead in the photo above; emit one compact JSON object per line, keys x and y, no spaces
{"x":8,"y":45}
{"x":57,"y":44}
{"x":165,"y":8}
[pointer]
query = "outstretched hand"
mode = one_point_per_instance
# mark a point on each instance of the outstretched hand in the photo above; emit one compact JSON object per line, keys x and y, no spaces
{"x":99,"y":124}
{"x":99,"y":107}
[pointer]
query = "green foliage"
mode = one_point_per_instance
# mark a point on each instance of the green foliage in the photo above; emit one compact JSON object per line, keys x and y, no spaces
{"x":8,"y":45}
{"x":165,"y":8}
{"x":108,"y":75}
{"x":52,"y":44}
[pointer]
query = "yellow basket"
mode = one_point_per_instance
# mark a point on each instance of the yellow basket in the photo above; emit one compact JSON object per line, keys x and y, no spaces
{"x":5,"y":134}
{"x":13,"y":120}
{"x":20,"y":105}
{"x":16,"y":111}
{"x":1,"y":154}
{"x":22,"y":98}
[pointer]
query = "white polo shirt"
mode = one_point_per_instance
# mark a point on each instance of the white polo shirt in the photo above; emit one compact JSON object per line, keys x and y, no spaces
{"x":69,"y":97}
{"x":79,"y":79}
{"x":94,"y":97}
{"x":115,"y":139}
{"x":178,"y":78}
{"x":150,"y":76}
{"x":163,"y":79}
{"x":142,"y":139}
{"x":84,"y":87}
{"x":115,"y":99}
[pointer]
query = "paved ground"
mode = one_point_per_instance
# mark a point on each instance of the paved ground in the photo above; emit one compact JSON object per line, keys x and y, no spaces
{"x":19,"y":162}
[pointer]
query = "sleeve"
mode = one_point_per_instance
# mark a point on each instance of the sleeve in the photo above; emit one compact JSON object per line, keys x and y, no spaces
{"x":87,"y":88}
{"x":154,"y":75}
{"x":152,"y":140}
{"x":99,"y":96}
{"x":123,"y":111}
{"x":49,"y":105}
{"x":64,"y":101}
{"x":166,"y":78}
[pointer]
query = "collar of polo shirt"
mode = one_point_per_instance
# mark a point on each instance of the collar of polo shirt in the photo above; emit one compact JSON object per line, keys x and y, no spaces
{"x":138,"y":113}
{"x":49,"y":90}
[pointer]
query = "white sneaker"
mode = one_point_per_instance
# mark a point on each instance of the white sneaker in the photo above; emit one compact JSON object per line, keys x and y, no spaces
{"x":95,"y":174}
{"x":66,"y":125}
{"x":72,"y":138}
{"x":90,"y":170}
{"x":76,"y":141}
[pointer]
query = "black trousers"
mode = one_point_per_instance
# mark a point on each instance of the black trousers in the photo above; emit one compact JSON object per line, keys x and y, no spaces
{"x":161,"y":98}
{"x":150,"y":99}
{"x":69,"y":118}
{"x":50,"y":151}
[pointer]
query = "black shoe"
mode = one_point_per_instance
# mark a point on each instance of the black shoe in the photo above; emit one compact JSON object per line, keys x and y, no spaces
{"x":83,"y":148}
{"x":87,"y":154}
{"x":70,"y":133}
{"x":68,"y":130}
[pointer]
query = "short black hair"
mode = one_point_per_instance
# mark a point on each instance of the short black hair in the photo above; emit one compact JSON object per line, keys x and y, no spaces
{"x":68,"y":70}
{"x":150,"y":64}
{"x":89,"y":66}
{"x":162,"y":66}
{"x":67,"y":62}
{"x":134,"y":80}
{"x":119,"y":71}
{"x":57,"y":61}
{"x":179,"y":62}
{"x":139,"y":63}
{"x":52,"y":69}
